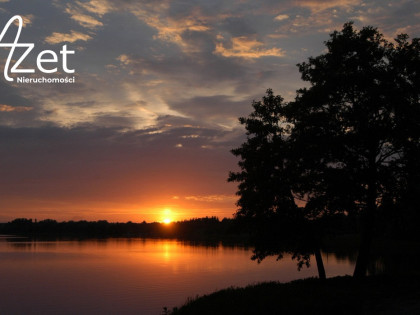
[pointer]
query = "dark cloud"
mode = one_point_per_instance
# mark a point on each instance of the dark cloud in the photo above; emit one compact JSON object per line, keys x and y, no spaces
{"x":238,"y":26}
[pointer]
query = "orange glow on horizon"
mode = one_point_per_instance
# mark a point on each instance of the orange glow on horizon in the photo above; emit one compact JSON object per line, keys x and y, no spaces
{"x":154,"y":208}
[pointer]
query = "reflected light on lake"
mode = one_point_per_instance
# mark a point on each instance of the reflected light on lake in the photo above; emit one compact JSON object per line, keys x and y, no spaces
{"x":129,"y":276}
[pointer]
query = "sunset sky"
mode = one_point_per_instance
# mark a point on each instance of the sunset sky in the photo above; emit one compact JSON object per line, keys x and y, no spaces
{"x":145,"y":132}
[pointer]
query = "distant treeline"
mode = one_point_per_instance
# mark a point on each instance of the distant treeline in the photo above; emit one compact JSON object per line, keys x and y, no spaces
{"x":198,"y":229}
{"x":208,"y":228}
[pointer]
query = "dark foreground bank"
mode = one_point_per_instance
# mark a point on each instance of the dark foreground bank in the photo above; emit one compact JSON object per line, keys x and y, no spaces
{"x":341,"y":295}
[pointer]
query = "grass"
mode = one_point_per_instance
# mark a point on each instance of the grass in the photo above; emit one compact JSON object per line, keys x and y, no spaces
{"x":340,"y":295}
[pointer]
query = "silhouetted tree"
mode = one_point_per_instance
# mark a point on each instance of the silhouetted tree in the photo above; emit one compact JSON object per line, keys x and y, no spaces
{"x":348,"y":144}
{"x":404,"y":62}
{"x":357,"y":126}
{"x":265,"y":186}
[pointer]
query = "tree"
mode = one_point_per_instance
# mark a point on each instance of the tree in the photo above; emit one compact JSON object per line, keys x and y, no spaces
{"x":362,"y":102}
{"x":405,"y":64}
{"x":347,"y":145}
{"x":265,"y":186}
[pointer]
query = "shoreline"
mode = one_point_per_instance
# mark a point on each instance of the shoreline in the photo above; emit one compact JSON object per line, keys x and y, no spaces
{"x":384,"y":294}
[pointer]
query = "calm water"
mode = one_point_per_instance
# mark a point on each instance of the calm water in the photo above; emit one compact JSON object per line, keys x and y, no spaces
{"x":129,"y":276}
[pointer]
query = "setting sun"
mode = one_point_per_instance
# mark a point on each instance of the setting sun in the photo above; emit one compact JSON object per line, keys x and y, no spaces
{"x":167,"y":216}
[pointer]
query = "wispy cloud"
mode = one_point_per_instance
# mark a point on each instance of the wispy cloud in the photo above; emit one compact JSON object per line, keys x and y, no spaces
{"x":248,"y":48}
{"x":321,"y":5}
{"x":83,"y":19}
{"x":27,"y":19}
{"x":97,"y":7}
{"x":8,"y":108}
{"x":72,"y":37}
{"x":171,"y":29}
{"x":211,"y":198}
{"x":87,"y":14}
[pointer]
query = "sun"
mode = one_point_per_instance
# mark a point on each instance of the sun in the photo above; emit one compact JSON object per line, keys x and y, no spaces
{"x":167,"y":216}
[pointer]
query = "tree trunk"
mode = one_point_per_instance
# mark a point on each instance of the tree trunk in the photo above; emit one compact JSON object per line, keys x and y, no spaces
{"x":368,"y":220}
{"x":365,"y":243}
{"x":320,"y":264}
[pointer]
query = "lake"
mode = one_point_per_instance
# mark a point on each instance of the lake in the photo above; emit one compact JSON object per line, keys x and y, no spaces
{"x":130,"y":276}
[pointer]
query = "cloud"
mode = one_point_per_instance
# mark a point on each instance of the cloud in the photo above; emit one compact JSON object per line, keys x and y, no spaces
{"x":212,"y":198}
{"x":248,"y":48}
{"x":177,"y":22}
{"x":84,"y":12}
{"x":87,"y":14}
{"x":217,"y":109}
{"x":409,"y":29}
{"x":308,"y":17}
{"x":322,"y":5}
{"x":281,"y":17}
{"x":26,"y":19}
{"x":172,"y":29}
{"x":97,"y":7}
{"x":85,"y":20}
{"x":8,"y":108}
{"x":201,"y":61}
{"x":74,"y":36}
{"x":124,"y":59}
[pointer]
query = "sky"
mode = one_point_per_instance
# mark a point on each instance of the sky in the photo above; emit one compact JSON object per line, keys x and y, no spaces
{"x":146,"y":130}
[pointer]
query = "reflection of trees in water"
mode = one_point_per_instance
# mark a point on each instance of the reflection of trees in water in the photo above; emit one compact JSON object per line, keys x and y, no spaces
{"x":376,"y":266}
{"x":397,"y":259}
{"x":342,"y":255}
{"x":31,"y":245}
{"x":27,"y":244}
{"x":23,"y":246}
{"x":391,"y":257}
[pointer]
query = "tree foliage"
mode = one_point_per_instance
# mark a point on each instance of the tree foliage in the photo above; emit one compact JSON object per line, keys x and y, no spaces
{"x":264,"y":187}
{"x":347,"y":145}
{"x":265,"y":182}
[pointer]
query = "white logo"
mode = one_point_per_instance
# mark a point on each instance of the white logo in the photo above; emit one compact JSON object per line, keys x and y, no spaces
{"x":44,"y":57}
